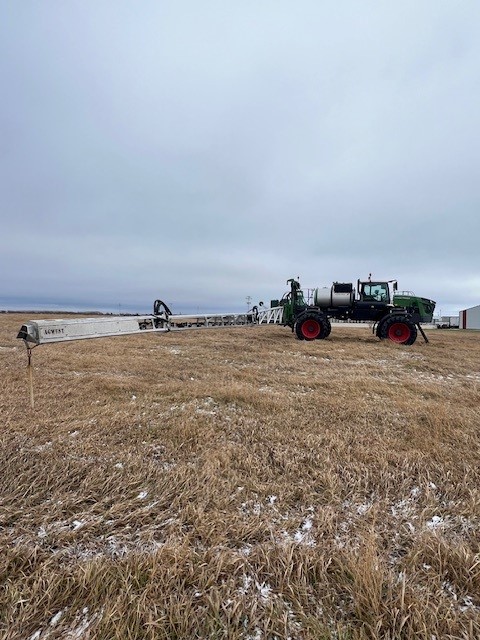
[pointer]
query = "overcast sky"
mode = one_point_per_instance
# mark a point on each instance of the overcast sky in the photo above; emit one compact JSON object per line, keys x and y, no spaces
{"x":204,"y":151}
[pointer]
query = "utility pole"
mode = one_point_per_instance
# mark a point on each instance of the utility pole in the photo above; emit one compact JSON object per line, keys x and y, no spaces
{"x":249,"y":299}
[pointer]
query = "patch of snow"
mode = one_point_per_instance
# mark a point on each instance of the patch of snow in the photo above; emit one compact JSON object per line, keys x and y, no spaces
{"x":247,"y":581}
{"x":401,"y":577}
{"x":78,"y":633}
{"x":363,"y":508}
{"x":77,"y":524}
{"x":134,"y":397}
{"x":449,"y":589}
{"x":42,"y":447}
{"x":468,"y":604}
{"x":118,"y":465}
{"x":251,"y":507}
{"x":402,"y":508}
{"x":307,"y":525}
{"x":207,"y":407}
{"x":303,"y":535}
{"x":116,"y":549}
{"x":57,"y":617}
{"x":339,"y":542}
{"x":435,"y":522}
{"x":142,"y":495}
{"x":265,"y":590}
{"x":204,"y":412}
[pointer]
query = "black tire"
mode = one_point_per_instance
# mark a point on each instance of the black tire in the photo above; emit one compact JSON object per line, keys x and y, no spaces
{"x":398,"y":329}
{"x":328,"y":329}
{"x":311,"y":325}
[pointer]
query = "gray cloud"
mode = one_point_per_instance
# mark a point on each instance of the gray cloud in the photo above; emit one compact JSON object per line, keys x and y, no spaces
{"x":203,"y":152}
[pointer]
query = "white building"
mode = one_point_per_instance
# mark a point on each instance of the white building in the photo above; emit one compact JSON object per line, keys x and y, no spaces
{"x":470,"y":318}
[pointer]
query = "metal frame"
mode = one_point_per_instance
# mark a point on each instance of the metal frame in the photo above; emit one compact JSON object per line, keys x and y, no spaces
{"x":37,"y":332}
{"x":270,"y":316}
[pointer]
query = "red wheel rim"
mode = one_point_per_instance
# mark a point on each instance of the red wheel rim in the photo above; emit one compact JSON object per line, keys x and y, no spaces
{"x":399,"y":332}
{"x":310,"y":329}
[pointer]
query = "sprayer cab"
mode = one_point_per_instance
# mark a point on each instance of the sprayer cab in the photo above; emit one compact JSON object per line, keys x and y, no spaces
{"x":377,"y":291}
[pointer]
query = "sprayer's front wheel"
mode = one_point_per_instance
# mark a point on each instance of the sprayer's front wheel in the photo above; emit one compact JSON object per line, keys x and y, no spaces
{"x":398,"y":329}
{"x":312,"y":326}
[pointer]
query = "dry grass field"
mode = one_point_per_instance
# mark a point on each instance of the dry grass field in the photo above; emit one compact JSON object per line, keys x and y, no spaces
{"x":241,"y":484}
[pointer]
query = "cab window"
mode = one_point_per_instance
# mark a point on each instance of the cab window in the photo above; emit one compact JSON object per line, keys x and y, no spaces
{"x":375,"y":291}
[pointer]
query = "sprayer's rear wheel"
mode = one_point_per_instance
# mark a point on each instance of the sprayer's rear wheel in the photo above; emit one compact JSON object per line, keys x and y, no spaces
{"x":312,"y":326}
{"x":398,"y":329}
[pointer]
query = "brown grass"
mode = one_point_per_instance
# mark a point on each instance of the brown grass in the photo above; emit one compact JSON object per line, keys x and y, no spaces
{"x":239,"y":483}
